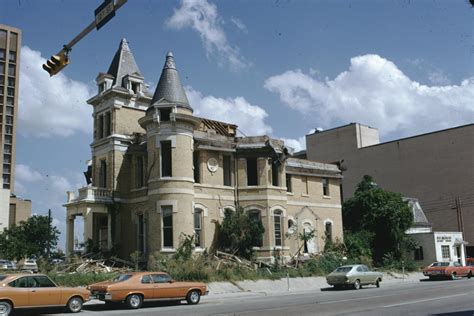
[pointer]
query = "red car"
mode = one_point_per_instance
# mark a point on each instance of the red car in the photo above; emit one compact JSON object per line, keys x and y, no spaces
{"x":447,"y":270}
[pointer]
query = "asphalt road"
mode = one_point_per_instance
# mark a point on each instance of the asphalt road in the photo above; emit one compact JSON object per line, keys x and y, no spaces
{"x":419,"y":298}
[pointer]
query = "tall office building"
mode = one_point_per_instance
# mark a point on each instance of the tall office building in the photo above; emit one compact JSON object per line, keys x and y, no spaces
{"x":12,"y":209}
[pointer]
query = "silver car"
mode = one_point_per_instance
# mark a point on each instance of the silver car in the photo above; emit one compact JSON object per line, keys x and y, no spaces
{"x":354,"y":275}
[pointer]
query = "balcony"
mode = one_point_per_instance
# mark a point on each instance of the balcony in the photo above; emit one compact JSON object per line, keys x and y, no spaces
{"x":91,"y":195}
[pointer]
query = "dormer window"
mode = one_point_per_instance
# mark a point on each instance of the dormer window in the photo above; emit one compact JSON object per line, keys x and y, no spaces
{"x":165,"y":115}
{"x":135,"y":87}
{"x":101,"y":87}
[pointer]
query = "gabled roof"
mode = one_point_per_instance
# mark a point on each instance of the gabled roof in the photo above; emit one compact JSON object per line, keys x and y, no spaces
{"x":123,"y":64}
{"x":169,"y":87}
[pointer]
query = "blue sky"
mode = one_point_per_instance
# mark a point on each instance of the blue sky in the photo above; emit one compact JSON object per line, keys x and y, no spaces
{"x":276,"y":67}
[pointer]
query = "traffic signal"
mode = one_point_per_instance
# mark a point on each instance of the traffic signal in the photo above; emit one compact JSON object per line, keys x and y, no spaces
{"x":56,"y":63}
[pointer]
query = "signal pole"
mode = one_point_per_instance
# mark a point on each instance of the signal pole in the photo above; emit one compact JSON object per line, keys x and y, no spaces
{"x":103,"y":14}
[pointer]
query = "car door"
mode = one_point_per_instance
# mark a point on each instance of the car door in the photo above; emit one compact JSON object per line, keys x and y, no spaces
{"x":164,"y":287}
{"x":360,"y":274}
{"x":147,"y":286}
{"x":18,"y":291}
{"x":43,"y":291}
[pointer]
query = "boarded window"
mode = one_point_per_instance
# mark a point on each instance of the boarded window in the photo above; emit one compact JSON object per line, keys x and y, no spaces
{"x":277,"y":224}
{"x":197,"y":167}
{"x":167,"y":226}
{"x":252,"y":175}
{"x":198,"y":228}
{"x":275,"y":173}
{"x":166,"y":159}
{"x":227,"y":171}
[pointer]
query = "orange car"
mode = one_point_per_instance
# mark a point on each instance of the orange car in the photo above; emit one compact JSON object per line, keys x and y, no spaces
{"x":448,"y":269}
{"x":134,"y":288}
{"x":37,"y":290}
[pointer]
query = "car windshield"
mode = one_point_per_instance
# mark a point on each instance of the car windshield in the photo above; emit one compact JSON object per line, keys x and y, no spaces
{"x":121,"y":278}
{"x":343,"y":269}
{"x":440,"y":264}
{"x":3,"y":277}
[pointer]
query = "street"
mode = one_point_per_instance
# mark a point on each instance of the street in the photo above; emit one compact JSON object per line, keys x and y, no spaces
{"x":418,"y":298}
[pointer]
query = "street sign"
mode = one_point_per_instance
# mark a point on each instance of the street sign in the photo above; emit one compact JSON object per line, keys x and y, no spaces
{"x":104,"y":13}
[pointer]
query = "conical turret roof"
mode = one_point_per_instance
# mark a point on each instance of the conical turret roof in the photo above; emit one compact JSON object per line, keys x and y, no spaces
{"x":123,"y":63}
{"x":170,"y":87}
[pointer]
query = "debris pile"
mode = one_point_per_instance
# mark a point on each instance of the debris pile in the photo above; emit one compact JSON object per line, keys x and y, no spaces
{"x":87,"y":265}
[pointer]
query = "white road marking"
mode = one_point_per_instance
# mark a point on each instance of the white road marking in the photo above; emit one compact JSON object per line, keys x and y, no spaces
{"x":425,"y":300}
{"x":355,"y":299}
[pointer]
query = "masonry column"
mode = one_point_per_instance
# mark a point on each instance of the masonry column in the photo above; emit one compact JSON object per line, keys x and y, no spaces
{"x":109,"y":231}
{"x":88,"y":225}
{"x":70,"y":235}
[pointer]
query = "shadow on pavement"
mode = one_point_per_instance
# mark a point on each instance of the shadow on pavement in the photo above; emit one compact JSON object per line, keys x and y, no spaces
{"x":458,"y":313}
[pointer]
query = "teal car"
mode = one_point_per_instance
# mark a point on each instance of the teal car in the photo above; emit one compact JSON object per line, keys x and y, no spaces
{"x":354,"y":276}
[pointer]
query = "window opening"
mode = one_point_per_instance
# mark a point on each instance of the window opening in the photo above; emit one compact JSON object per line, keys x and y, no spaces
{"x":197,"y":167}
{"x":275,"y":173}
{"x":167,"y":226}
{"x":198,"y":227}
{"x":166,"y":159}
{"x":289,"y":188}
{"x":227,"y":171}
{"x":252,"y":176}
{"x":277,"y":222}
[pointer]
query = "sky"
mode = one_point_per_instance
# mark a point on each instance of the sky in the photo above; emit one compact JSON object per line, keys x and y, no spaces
{"x":280,"y":68}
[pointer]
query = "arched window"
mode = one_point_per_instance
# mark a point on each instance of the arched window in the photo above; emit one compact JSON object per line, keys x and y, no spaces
{"x":277,"y":220}
{"x":328,"y":231}
{"x":199,"y":242}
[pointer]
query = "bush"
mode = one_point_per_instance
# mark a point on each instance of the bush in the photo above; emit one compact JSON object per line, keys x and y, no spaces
{"x":80,"y":279}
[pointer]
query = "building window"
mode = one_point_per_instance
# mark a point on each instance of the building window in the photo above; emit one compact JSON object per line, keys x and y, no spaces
{"x":419,"y":253}
{"x":9,"y":120}
{"x":8,"y":138}
{"x":7,"y":159}
{"x":328,"y":231}
{"x":9,"y":101}
{"x":101,"y":87}
{"x":445,"y":253}
{"x":198,"y":228}
{"x":2,"y":54}
{"x":100,"y":126}
{"x":227,"y":171}
{"x":275,"y":173}
{"x":197,"y":167}
{"x":11,"y":70}
{"x":7,"y":149}
{"x":277,"y":215}
{"x":135,"y":87}
{"x":252,"y":174}
{"x":11,"y":56}
{"x":165,"y":115}
{"x":166,"y":159}
{"x":2,"y":68}
{"x":139,"y":172}
{"x":255,"y":217}
{"x":11,"y":91}
{"x":6,"y":168}
{"x":103,"y":174}
{"x":167,"y":226}
{"x":108,"y":124}
{"x":141,"y":233}
{"x":9,"y":110}
{"x":289,"y":188}
{"x":11,"y":82}
{"x":326,"y":186}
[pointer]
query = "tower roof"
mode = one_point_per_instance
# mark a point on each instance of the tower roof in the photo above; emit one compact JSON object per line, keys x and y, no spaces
{"x":123,"y":63}
{"x":170,"y":87}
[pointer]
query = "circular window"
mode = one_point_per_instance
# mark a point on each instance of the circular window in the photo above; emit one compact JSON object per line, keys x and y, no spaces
{"x":212,"y":164}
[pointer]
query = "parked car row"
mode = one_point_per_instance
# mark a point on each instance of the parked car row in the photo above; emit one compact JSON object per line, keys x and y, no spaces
{"x":19,"y":291}
{"x":26,"y":264}
{"x":448,"y":270}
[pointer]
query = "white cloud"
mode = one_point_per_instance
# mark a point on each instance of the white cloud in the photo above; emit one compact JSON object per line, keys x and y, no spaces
{"x":202,"y":16}
{"x":375,"y":92}
{"x":250,"y":118}
{"x":239,"y":24}
{"x":296,"y":144}
{"x":50,"y":106}
{"x":26,"y":174}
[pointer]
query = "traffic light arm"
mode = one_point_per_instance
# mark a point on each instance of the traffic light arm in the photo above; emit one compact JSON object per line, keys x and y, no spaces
{"x":61,"y":59}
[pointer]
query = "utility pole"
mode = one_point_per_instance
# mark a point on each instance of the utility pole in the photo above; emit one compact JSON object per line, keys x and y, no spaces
{"x":103,"y":14}
{"x":48,"y":250}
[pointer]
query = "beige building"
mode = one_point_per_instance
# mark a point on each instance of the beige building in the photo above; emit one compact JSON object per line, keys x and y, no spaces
{"x":436,"y":168}
{"x":158,"y":171}
{"x":12,"y":210}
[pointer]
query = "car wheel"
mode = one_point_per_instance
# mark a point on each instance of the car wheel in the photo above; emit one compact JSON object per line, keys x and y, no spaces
{"x":134,"y":301}
{"x":469,"y":275}
{"x":193,"y":297}
{"x":5,"y":308}
{"x":377,"y":283}
{"x":74,"y":305}
{"x":453,"y":276}
{"x":357,"y":284}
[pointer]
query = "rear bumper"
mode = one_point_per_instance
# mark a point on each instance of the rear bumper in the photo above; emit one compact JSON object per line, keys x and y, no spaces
{"x":102,"y":296}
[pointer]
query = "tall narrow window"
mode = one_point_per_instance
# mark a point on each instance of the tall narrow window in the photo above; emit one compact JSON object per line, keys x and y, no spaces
{"x":419,"y":253}
{"x":139,"y":172}
{"x":198,"y":228}
{"x":197,"y":167}
{"x":254,"y":216}
{"x":2,"y":54}
{"x":167,"y":226}
{"x":103,"y":174}
{"x":108,"y":124}
{"x":100,"y":126}
{"x":289,"y":188}
{"x":326,"y":187}
{"x":227,"y":171}
{"x":328,"y":231}
{"x":135,"y":87}
{"x":166,"y":159}
{"x":252,"y":175}
{"x":275,"y":173}
{"x":141,"y":233}
{"x":305,"y":185}
{"x":277,"y":223}
{"x":446,"y":254}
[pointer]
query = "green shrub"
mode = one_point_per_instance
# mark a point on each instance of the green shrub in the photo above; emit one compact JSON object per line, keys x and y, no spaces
{"x":80,"y":279}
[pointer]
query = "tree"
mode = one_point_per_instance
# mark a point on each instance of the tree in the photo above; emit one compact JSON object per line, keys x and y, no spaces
{"x":239,"y":233}
{"x":383,"y":214}
{"x":29,"y":239}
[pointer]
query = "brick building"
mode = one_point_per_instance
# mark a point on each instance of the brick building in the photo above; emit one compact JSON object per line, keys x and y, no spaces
{"x":159,"y":171}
